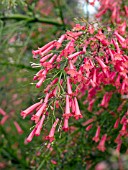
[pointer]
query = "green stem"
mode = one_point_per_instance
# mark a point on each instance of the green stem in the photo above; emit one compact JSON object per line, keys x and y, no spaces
{"x":20,"y":17}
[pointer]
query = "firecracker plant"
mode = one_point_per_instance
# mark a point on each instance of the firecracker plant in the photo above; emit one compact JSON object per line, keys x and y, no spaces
{"x":86,"y":62}
{"x":83,"y":83}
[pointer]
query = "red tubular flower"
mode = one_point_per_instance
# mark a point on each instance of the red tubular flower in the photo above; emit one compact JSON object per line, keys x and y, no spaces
{"x":73,"y":35}
{"x":50,"y":85}
{"x":116,"y":46}
{"x":53,"y":162}
{"x":50,"y":137}
{"x":47,"y":50}
{"x":101,"y":145}
{"x":40,"y":50}
{"x":43,"y":59}
{"x":69,"y":90}
{"x":99,"y":14}
{"x":73,"y":106}
{"x":122,"y":28}
{"x":59,"y":42}
{"x":123,"y":131}
{"x":31,"y":135}
{"x":118,"y":147}
{"x":42,"y":78}
{"x":2,"y":112}
{"x":89,"y":127}
{"x":116,"y":123}
{"x":67,"y":113}
{"x":39,"y":127}
{"x":70,"y":57}
{"x":30,"y":109}
{"x":118,"y":139}
{"x":106,"y":99}
{"x":119,"y":37}
{"x":102,"y":64}
{"x":126,"y":9}
{"x":114,"y":13}
{"x":36,"y":117}
{"x":72,"y":70}
{"x":91,"y":103}
{"x":97,"y":135}
{"x":18,"y":128}
{"x":38,"y":74}
{"x":48,"y":65}
{"x":4,"y":119}
{"x":77,"y":114}
{"x":88,"y":121}
{"x":53,"y":93}
{"x":65,"y":127}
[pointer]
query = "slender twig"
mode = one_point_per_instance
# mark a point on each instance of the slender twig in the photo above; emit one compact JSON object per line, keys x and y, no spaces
{"x":29,"y":19}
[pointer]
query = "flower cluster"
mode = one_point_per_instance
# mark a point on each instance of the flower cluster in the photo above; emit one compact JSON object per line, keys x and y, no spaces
{"x":82,"y":62}
{"x":118,"y":11}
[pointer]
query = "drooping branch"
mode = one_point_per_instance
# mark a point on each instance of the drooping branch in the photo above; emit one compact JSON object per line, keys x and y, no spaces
{"x":29,"y":19}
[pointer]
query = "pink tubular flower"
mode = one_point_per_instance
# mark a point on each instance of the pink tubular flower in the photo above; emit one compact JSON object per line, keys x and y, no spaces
{"x":42,"y":78}
{"x":2,"y":112}
{"x":116,"y":123}
{"x":50,"y":85}
{"x":47,"y":50}
{"x":115,"y":43}
{"x":67,"y":113}
{"x":122,"y":28}
{"x":59,"y":42}
{"x":123,"y":131}
{"x":114,"y":13}
{"x":39,"y":127}
{"x":126,"y":10}
{"x":18,"y":128}
{"x":40,"y":50}
{"x":118,"y":139}
{"x":31,"y":135}
{"x":101,"y":145}
{"x":118,"y":147}
{"x":69,"y":90}
{"x":38,"y":74}
{"x":65,"y":127}
{"x":73,"y":106}
{"x":99,"y":14}
{"x":70,"y":57}
{"x":77,"y":114}
{"x":30,"y":109}
{"x":75,"y":55}
{"x":73,"y":35}
{"x":36,"y":117}
{"x":111,"y":54}
{"x":119,"y":37}
{"x":97,"y":135}
{"x":43,"y":59}
{"x":48,"y":65}
{"x":88,"y":122}
{"x":102,"y":64}
{"x":106,"y":99}
{"x":91,"y":103}
{"x":89,"y":127}
{"x":50,"y":137}
{"x":4,"y":119}
{"x":53,"y":162}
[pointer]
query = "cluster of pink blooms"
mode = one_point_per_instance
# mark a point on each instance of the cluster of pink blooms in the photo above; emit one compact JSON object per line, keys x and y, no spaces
{"x":115,"y":8}
{"x":81,"y":63}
